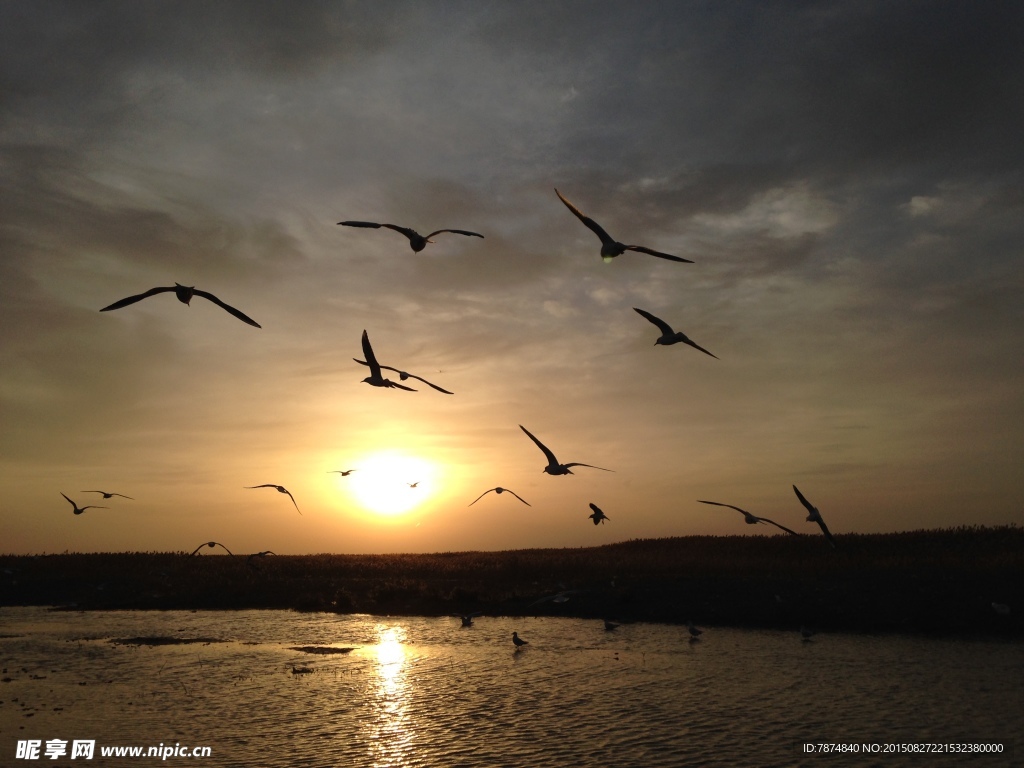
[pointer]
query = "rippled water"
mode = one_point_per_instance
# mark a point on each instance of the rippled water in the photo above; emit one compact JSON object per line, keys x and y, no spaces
{"x":428,"y":692}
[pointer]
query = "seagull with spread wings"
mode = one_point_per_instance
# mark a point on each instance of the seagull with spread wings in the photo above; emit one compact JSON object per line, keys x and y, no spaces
{"x":553,"y":467}
{"x":280,"y":489}
{"x":184,"y":293}
{"x":814,"y":516}
{"x":342,"y":472}
{"x":599,"y":516}
{"x":376,"y":379}
{"x":668,"y":335}
{"x":211,"y":545}
{"x":404,"y":375}
{"x":499,"y":491}
{"x":79,"y":510}
{"x":610,"y":248}
{"x":750,"y":519}
{"x":416,"y":241}
{"x":110,"y":494}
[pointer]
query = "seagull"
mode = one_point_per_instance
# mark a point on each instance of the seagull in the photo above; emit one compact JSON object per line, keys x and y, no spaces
{"x":499,"y":491}
{"x":815,"y":516}
{"x":806,"y":633}
{"x":79,"y":510}
{"x":599,"y":516}
{"x":467,"y":618}
{"x":669,"y":336}
{"x":553,"y":467}
{"x":280,"y":489}
{"x":749,"y":518}
{"x":610,"y":625}
{"x":416,"y":241}
{"x":342,"y":472}
{"x":109,"y":494}
{"x":375,"y":378}
{"x":519,"y":642}
{"x":611,"y":248}
{"x":404,"y":375}
{"x":694,"y":632}
{"x":413,"y":485}
{"x":211,"y":545}
{"x":184,"y":294}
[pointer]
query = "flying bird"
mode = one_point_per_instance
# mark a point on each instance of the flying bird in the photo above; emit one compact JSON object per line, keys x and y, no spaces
{"x":519,"y":642}
{"x":280,"y":489}
{"x":375,"y":378}
{"x":211,"y":545}
{"x":467,"y":618}
{"x":553,"y":467}
{"x":404,"y":375}
{"x":500,"y":491}
{"x":342,"y":472}
{"x":109,"y":494}
{"x":599,"y":516}
{"x":750,"y":519}
{"x":610,"y":248}
{"x":416,"y":241}
{"x":815,"y":516}
{"x":184,"y":294}
{"x":669,"y":336}
{"x":413,"y":485}
{"x":79,"y":510}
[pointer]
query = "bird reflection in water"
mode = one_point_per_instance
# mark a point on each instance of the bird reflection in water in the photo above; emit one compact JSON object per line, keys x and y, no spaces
{"x":392,"y":733}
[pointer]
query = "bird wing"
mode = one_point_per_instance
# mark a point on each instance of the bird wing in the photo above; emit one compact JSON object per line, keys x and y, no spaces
{"x":419,"y":378}
{"x":825,"y":530}
{"x":240,"y":315}
{"x":292,"y":498}
{"x":265,"y":485}
{"x":69,"y":500}
{"x":698,"y":346}
{"x":810,"y":507}
{"x":519,"y":497}
{"x":659,"y":254}
{"x":482,"y":495}
{"x":412,"y":234}
{"x":370,"y":359}
{"x":816,"y":515}
{"x":225,"y":548}
{"x":401,"y":386}
{"x":550,"y":456}
{"x":730,"y":506}
{"x":787,"y":530}
{"x":665,"y":327}
{"x":368,"y":224}
{"x":138,"y":297}
{"x":456,"y":231}
{"x":596,"y":508}
{"x":592,"y":225}
{"x":581,"y":464}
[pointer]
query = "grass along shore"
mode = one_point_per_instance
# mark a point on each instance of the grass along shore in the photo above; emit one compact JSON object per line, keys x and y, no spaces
{"x":937,"y":582}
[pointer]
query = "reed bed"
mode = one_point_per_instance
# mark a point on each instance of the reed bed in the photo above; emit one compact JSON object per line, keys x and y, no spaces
{"x":941,"y":582}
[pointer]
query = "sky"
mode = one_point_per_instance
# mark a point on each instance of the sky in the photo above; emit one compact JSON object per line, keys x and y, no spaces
{"x":845,"y":176}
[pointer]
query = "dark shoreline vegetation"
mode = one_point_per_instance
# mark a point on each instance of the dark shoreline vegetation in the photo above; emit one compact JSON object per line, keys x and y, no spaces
{"x":934,"y":582}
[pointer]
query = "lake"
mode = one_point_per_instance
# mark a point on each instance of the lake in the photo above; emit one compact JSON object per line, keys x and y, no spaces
{"x":430,"y":692}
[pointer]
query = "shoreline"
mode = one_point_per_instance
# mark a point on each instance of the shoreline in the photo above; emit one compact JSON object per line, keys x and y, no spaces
{"x":941,"y":583}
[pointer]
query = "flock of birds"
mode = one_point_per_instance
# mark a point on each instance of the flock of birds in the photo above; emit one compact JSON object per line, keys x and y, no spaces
{"x":610,"y":249}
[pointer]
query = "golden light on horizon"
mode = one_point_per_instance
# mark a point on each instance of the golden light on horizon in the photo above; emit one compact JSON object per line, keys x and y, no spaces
{"x":391,"y":483}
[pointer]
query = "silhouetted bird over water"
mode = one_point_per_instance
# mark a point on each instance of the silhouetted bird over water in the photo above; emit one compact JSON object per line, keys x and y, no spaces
{"x":518,"y":641}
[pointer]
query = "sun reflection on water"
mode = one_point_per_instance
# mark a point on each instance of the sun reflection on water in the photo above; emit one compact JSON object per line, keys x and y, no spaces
{"x":391,"y":735}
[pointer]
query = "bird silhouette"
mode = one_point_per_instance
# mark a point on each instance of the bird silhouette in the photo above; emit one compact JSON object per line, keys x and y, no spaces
{"x":280,"y":489}
{"x":599,"y":516}
{"x":815,"y":516}
{"x":553,"y":467}
{"x":79,"y":510}
{"x":110,"y":494}
{"x":499,"y":491}
{"x":184,"y":294}
{"x":695,"y":633}
{"x":518,"y":641}
{"x":405,"y":375}
{"x":342,"y":472}
{"x":416,"y":241}
{"x":750,"y":519}
{"x":610,"y":248}
{"x":467,"y":618}
{"x":669,"y":336}
{"x":211,"y":545}
{"x":376,"y":379}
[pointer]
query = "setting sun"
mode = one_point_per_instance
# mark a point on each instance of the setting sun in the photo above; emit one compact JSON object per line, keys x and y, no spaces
{"x":391,"y":483}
